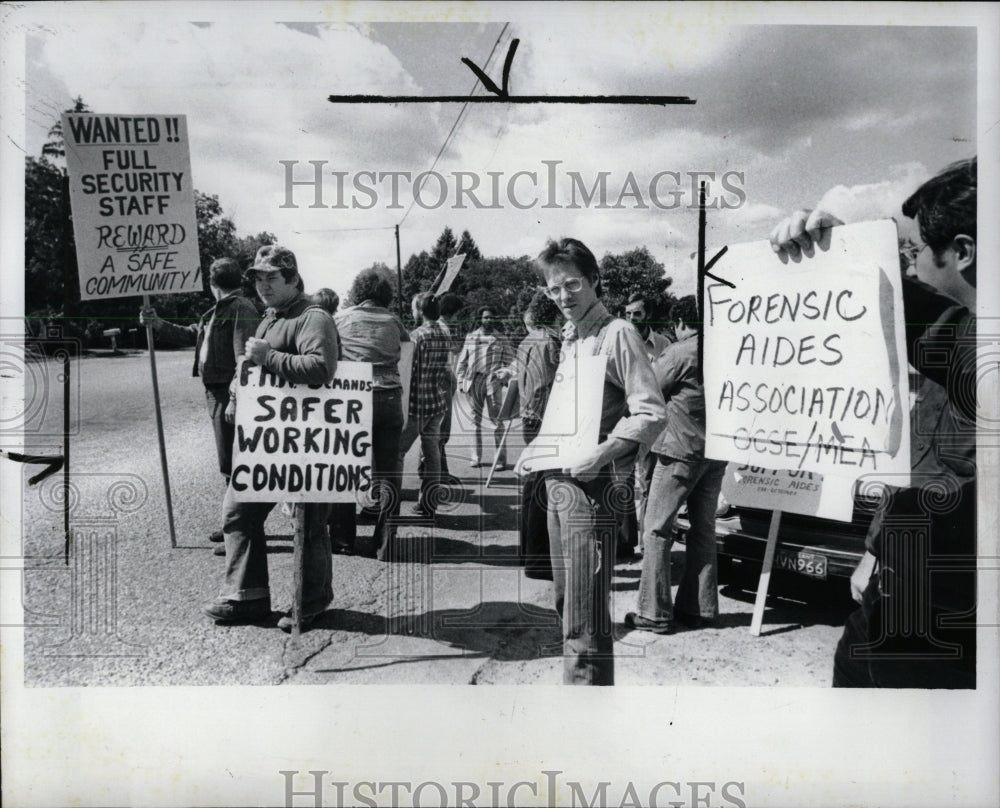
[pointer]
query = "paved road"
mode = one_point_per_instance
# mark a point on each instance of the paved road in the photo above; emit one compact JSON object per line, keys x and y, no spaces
{"x":128,"y":610}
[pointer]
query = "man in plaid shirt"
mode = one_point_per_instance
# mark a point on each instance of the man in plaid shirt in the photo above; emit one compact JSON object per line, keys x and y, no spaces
{"x":430,"y":397}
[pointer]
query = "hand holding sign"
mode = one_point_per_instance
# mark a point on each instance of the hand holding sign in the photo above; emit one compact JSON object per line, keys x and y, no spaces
{"x":256,"y":350}
{"x":148,"y":316}
{"x":800,"y":231}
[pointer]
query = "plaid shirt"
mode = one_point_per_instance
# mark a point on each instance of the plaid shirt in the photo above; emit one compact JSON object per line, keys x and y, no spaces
{"x":430,"y":373}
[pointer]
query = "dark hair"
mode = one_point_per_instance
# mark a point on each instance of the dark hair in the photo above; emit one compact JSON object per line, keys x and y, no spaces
{"x":482,"y":309}
{"x":224,"y":273}
{"x":450,"y":303}
{"x":371,"y":284}
{"x":543,"y":310}
{"x":945,"y":205}
{"x":328,"y":299}
{"x":427,"y":305}
{"x":573,"y":253}
{"x":638,"y":297}
{"x":685,"y":311}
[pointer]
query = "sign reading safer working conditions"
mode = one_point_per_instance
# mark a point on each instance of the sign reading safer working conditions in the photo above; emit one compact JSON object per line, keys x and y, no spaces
{"x":133,"y":204}
{"x":805,"y":360}
{"x":303,"y":443}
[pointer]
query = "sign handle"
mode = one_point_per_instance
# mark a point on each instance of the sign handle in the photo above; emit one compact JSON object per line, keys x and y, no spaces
{"x":765,"y":574}
{"x":66,"y":483}
{"x":159,"y":427}
{"x":298,"y":573}
{"x":499,"y":452}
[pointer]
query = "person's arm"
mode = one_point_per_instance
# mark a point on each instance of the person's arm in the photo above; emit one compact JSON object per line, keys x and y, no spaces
{"x":416,"y":365}
{"x":670,"y":368}
{"x":177,"y":334}
{"x":316,"y":360}
{"x":462,"y":366}
{"x":245,"y":322}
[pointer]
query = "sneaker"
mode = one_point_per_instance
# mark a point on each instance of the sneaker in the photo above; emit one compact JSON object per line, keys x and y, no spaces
{"x":287,"y":622}
{"x":219,"y":550}
{"x":217,"y":536}
{"x":640,"y":623}
{"x":223,"y":610}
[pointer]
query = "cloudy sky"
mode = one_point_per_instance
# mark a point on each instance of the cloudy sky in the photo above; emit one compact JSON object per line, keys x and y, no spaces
{"x":855,"y":116}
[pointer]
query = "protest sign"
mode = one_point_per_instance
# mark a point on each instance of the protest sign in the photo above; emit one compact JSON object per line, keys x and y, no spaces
{"x":451,"y":272}
{"x":133,"y":204}
{"x":805,"y":361}
{"x":571,"y":426}
{"x":303,"y":443}
{"x":790,"y":491}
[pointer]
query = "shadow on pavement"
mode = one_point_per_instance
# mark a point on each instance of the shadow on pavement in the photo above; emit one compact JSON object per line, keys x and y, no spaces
{"x":498,"y":630}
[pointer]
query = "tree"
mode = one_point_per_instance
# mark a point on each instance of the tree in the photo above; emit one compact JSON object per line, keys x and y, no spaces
{"x":636,"y":271}
{"x":467,"y":244}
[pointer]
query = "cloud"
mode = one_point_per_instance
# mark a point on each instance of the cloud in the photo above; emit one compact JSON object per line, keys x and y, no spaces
{"x":875,"y":200}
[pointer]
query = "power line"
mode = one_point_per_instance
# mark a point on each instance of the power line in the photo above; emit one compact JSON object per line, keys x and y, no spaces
{"x":458,"y":119}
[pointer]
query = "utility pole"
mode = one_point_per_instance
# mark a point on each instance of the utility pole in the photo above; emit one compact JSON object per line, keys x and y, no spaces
{"x":399,"y":277}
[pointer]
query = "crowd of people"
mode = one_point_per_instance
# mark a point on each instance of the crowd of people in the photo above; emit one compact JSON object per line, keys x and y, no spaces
{"x":574,"y":521}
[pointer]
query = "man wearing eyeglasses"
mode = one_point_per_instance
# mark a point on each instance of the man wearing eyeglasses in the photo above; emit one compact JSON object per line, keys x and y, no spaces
{"x":484,"y":352}
{"x":917,"y":581}
{"x":581,"y":496}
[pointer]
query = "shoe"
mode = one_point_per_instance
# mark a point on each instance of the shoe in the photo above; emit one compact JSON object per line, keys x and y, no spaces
{"x":640,"y":623}
{"x":420,"y":510}
{"x":287,"y":623}
{"x":342,"y":548}
{"x":476,"y":464}
{"x":237,"y":611}
{"x":219,"y":550}
{"x":217,"y":536}
{"x":693,"y":620}
{"x":505,"y":467}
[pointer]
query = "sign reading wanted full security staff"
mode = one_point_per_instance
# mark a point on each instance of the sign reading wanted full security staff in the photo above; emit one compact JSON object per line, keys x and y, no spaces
{"x":805,"y":360}
{"x":299,"y":442}
{"x":133,"y":204}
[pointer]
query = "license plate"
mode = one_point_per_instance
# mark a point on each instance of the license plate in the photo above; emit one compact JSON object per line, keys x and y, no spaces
{"x":810,"y":564}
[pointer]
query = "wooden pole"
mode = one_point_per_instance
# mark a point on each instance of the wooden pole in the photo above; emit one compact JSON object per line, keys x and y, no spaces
{"x":765,"y":575}
{"x":496,"y":458}
{"x":67,"y":361}
{"x":159,"y":426}
{"x":701,"y":279}
{"x":298,"y":555}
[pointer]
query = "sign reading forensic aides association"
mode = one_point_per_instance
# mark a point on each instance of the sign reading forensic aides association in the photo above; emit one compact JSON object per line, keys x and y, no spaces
{"x":805,"y":360}
{"x":303,"y":443}
{"x":133,"y":204}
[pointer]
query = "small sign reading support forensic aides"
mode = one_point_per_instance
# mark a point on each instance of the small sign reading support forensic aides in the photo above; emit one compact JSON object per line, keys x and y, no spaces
{"x":133,"y":204}
{"x":302,"y":443}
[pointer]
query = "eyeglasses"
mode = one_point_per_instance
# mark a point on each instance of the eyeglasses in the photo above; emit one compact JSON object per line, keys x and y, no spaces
{"x":909,"y":254}
{"x":573,"y":285}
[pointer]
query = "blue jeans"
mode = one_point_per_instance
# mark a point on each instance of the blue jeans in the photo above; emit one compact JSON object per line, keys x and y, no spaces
{"x":582,"y":544}
{"x":697,"y":482}
{"x":429,"y":430}
{"x":246,"y":553}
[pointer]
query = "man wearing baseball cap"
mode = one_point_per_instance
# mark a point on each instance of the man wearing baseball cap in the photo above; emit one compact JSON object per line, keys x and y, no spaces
{"x":297,"y":341}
